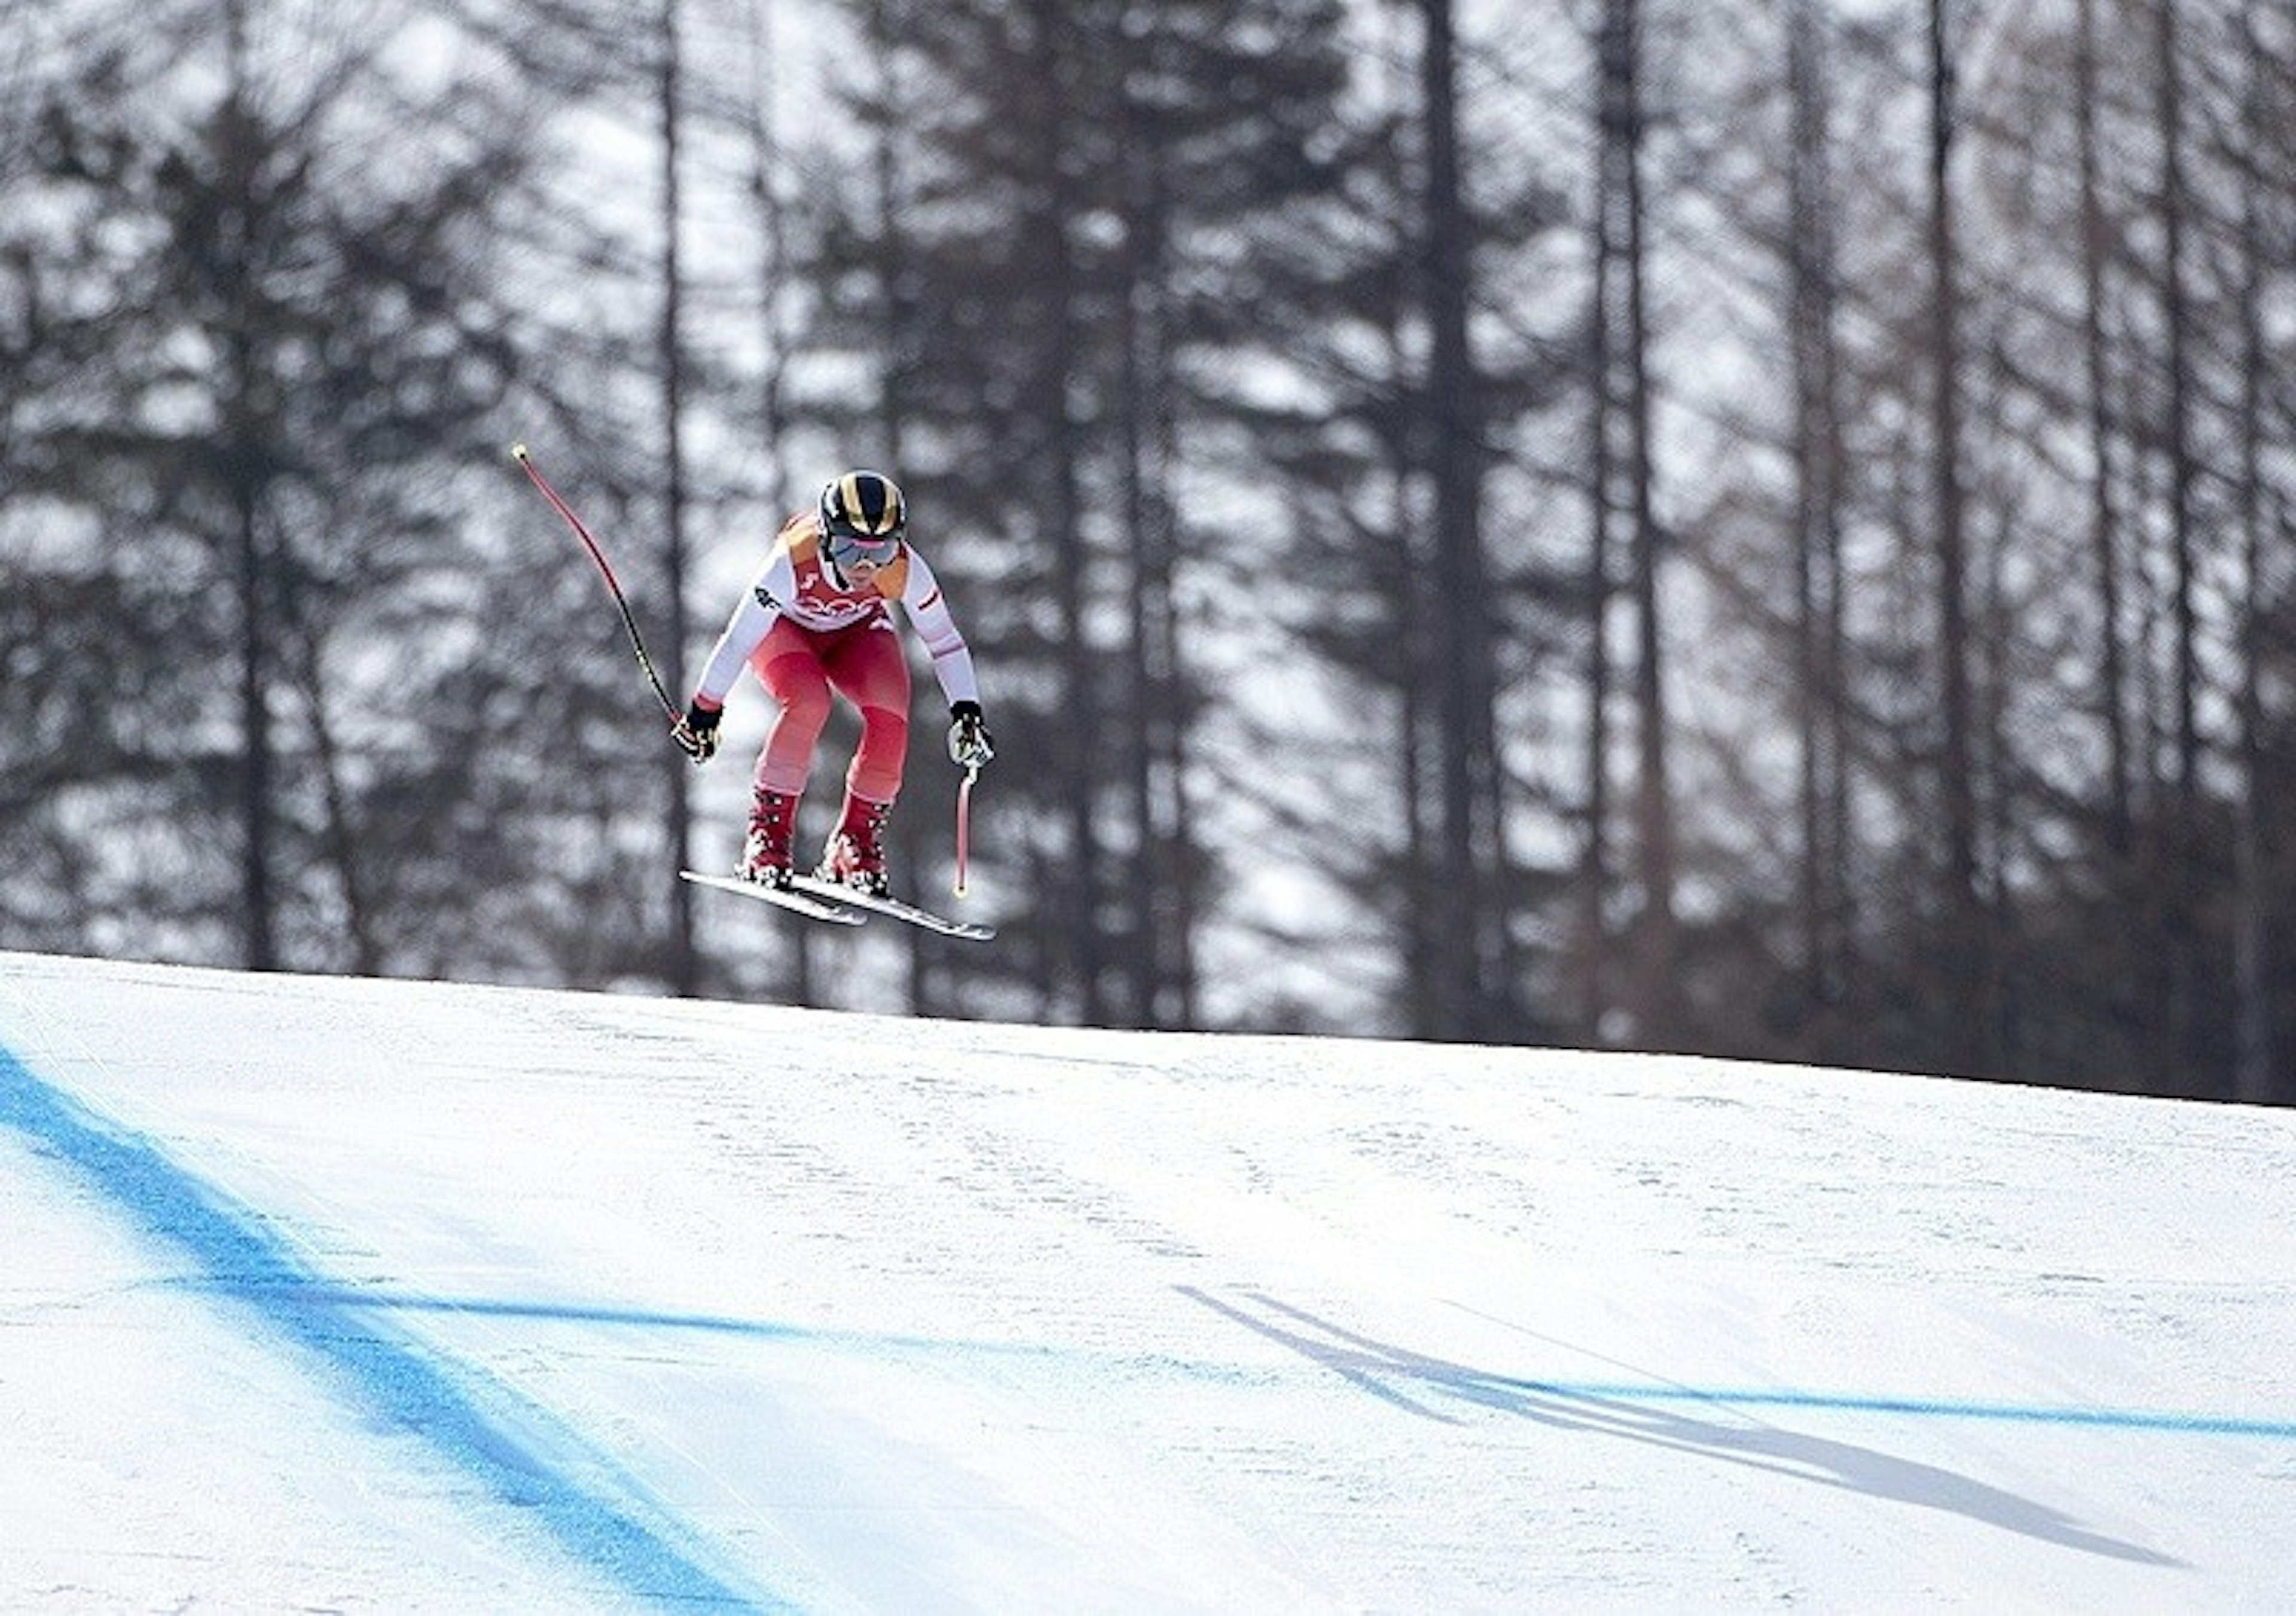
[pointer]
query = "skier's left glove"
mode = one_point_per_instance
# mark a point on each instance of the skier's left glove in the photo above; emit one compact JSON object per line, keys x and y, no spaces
{"x":696,"y":733}
{"x":969,"y":745}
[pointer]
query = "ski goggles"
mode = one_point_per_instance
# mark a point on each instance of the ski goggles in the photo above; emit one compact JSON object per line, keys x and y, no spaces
{"x":849,"y":550}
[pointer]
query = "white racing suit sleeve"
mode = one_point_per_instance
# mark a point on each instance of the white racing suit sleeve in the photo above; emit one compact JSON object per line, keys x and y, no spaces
{"x":928,"y":615}
{"x":743,"y":630}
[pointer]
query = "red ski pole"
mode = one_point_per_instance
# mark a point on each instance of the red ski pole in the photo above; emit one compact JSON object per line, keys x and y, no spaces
{"x":518,"y":453}
{"x":964,"y":822}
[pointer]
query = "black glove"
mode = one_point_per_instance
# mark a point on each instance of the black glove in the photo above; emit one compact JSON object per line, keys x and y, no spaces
{"x":696,"y":733}
{"x":969,"y":745}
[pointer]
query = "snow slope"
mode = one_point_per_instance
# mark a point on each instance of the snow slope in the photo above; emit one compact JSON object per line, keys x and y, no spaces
{"x":359,"y":1295}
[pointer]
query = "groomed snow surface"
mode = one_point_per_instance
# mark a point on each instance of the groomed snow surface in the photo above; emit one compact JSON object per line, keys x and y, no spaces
{"x":325,"y":1294}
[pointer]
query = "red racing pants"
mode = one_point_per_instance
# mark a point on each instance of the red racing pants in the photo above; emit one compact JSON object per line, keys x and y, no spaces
{"x":800,"y":668}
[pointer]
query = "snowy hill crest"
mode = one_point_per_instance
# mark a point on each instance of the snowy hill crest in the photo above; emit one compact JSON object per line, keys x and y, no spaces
{"x":432,"y":1297}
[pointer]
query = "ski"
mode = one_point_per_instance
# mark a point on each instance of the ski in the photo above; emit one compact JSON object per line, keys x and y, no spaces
{"x":812,"y":905}
{"x":836,"y":893}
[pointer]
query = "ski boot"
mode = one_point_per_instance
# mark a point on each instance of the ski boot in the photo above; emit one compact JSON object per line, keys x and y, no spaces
{"x":855,"y":856}
{"x":765,"y":855}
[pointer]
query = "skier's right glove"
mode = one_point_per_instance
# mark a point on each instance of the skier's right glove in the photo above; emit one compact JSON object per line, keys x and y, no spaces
{"x":696,"y":733}
{"x":969,"y":745}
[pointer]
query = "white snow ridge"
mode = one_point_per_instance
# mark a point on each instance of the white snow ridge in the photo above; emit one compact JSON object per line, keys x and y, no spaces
{"x":386,"y":1296}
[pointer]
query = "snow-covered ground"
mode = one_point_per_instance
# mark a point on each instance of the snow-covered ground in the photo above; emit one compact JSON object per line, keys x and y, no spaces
{"x":354,"y":1295}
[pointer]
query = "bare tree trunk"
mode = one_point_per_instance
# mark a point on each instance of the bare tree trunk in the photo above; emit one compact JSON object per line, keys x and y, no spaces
{"x":1176,"y":952}
{"x":685,"y":961}
{"x":1163,"y":902}
{"x":1657,"y":999}
{"x":1967,"y":1031}
{"x":1817,"y":516}
{"x":1151,"y":879}
{"x":1595,"y":874}
{"x":244,"y":477}
{"x":339,"y":836}
{"x":1425,"y":911}
{"x":1054,"y":276}
{"x":2104,"y":536}
{"x":1403,"y":565}
{"x":2252,"y":1059}
{"x":2175,"y":315}
{"x":259,"y":918}
{"x":1469,"y":983}
{"x":2182,"y":853}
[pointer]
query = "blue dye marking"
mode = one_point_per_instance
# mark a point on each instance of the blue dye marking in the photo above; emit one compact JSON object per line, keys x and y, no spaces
{"x":1400,"y":1366}
{"x":1935,"y":1408}
{"x":393,"y":1380}
{"x":877,"y":1344}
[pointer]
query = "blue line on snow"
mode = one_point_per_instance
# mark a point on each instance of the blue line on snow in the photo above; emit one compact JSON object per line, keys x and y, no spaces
{"x":1939,"y":1408}
{"x":394,"y":1379}
{"x":1372,"y":1364}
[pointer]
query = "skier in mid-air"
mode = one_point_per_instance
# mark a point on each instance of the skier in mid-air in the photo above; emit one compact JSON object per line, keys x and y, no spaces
{"x":814,"y":622}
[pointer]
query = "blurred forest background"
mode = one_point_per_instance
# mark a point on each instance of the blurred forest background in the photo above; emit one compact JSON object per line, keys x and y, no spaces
{"x":1760,"y":527}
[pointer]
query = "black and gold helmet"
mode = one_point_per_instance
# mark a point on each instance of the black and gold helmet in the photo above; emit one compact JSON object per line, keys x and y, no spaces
{"x":863,"y":517}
